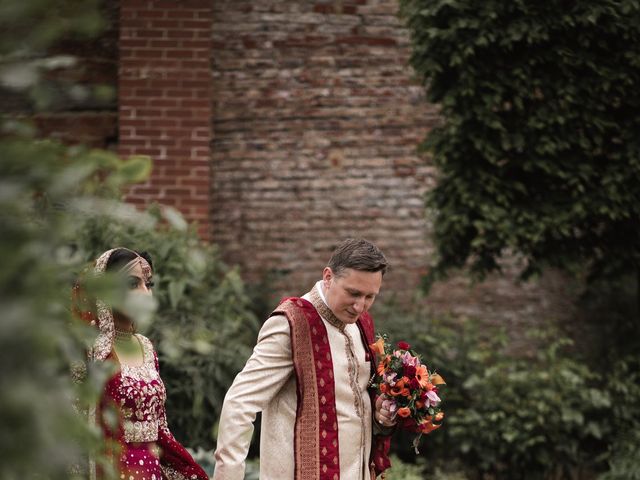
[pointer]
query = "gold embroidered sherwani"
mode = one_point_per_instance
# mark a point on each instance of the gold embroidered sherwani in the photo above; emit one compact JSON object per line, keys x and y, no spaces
{"x":267,"y":384}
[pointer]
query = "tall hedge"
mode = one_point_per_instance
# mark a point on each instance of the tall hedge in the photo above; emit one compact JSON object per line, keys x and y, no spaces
{"x":538,"y":150}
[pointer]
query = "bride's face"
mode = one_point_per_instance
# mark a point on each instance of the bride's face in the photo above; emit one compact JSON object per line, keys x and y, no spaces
{"x":138,"y":282}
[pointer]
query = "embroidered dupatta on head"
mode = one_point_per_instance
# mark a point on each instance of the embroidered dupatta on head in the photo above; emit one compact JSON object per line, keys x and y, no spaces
{"x":104,"y":322}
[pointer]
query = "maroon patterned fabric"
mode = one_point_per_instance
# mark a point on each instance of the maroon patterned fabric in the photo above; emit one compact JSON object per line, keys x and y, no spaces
{"x":381,"y":443}
{"x":139,"y":441}
{"x":316,"y":430}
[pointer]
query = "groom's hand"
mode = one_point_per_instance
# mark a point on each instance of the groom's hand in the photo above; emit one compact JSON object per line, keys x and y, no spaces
{"x":382,"y":414}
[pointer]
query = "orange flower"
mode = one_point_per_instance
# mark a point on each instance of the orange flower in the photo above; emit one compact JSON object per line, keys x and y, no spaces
{"x":384,"y":388}
{"x":437,"y":379}
{"x":404,"y":412}
{"x":378,"y":347}
{"x":382,"y":366}
{"x":422,"y":374}
{"x":399,"y":388}
{"x":427,"y":426}
{"x":439,"y":416}
{"x":419,"y":404}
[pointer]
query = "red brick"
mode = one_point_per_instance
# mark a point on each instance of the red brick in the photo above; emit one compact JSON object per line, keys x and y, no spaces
{"x":150,"y":13}
{"x":151,"y":33}
{"x":148,"y":53}
{"x":163,"y":43}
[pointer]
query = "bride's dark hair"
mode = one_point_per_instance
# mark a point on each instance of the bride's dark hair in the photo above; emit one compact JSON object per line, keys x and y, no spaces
{"x":122,"y":256}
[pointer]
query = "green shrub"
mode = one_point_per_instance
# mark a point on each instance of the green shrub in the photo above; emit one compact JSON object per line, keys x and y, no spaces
{"x":537,"y":149}
{"x":46,"y":191}
{"x":404,"y":471}
{"x":623,"y":456}
{"x":518,"y":415}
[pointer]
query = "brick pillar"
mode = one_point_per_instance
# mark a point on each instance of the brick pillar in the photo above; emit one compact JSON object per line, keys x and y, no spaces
{"x":165,"y":102}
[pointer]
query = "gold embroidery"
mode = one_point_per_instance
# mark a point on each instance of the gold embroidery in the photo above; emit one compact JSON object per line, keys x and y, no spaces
{"x":173,"y":474}
{"x":140,"y":431}
{"x":324,"y":311}
{"x":308,"y":458}
{"x":141,"y":424}
{"x":353,"y":366}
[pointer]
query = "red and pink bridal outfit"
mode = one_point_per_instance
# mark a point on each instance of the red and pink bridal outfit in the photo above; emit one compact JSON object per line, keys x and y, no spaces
{"x":141,"y":444}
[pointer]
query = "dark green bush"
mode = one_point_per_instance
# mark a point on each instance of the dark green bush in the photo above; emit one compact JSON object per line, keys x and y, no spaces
{"x":541,"y":414}
{"x":623,"y":456}
{"x":538,"y":149}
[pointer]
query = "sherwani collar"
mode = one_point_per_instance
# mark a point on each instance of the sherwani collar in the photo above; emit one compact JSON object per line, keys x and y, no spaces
{"x":323,"y":309}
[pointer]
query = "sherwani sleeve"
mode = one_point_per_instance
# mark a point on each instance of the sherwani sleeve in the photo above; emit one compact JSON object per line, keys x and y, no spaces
{"x":265,"y":373}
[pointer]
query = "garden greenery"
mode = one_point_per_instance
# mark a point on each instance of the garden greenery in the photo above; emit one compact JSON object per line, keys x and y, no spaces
{"x":538,"y":149}
{"x":550,"y":411}
{"x":46,"y":190}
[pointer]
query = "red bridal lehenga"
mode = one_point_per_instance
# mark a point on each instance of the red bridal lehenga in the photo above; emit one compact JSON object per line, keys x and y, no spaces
{"x":131,"y":411}
{"x":144,"y":447}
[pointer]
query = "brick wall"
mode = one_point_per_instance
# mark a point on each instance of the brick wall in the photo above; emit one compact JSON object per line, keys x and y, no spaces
{"x":316,"y":121}
{"x":313,"y":116}
{"x":164,"y":88}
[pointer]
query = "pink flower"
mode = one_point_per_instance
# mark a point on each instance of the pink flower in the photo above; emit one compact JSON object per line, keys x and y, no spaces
{"x":390,"y":405}
{"x":390,"y":378}
{"x":409,"y":359}
{"x":432,"y":399}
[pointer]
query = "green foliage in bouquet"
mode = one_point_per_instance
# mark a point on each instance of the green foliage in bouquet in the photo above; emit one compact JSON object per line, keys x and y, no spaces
{"x":203,"y":328}
{"x":538,"y":149}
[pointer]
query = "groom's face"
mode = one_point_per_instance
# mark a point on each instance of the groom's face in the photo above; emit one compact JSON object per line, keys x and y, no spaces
{"x":351,"y":293}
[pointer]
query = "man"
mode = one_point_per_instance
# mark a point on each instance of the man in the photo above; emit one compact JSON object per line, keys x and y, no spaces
{"x":309,"y":375}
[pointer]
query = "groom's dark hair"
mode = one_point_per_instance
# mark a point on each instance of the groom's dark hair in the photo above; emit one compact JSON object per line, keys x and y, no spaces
{"x":358,"y":254}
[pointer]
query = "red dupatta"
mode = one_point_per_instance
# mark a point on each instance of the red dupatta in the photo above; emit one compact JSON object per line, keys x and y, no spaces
{"x":316,"y":449}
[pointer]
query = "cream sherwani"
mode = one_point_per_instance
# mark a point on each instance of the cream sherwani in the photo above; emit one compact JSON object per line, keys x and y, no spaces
{"x":267,"y":384}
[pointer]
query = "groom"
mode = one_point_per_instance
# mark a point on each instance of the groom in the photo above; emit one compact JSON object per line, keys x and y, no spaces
{"x":309,"y":375}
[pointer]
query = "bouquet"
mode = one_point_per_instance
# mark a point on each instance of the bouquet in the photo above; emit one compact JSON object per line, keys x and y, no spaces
{"x":410,"y":391}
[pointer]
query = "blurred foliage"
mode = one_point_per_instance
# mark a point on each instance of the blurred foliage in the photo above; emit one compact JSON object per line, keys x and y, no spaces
{"x":29,"y":71}
{"x":203,"y":329}
{"x":537,"y":149}
{"x":554,"y":413}
{"x":31,"y":26}
{"x":404,"y":471}
{"x":46,"y":191}
{"x":623,"y":456}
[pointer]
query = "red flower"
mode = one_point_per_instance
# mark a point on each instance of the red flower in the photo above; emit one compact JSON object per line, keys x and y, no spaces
{"x":414,"y":384}
{"x":404,"y":346}
{"x":409,"y":371}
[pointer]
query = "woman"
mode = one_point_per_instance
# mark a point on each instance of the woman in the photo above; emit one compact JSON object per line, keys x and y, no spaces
{"x":139,"y":442}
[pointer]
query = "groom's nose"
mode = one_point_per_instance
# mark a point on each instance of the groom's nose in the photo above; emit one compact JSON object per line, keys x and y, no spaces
{"x":358,"y":306}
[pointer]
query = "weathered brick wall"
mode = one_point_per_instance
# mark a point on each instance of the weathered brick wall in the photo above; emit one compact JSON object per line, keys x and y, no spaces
{"x":313,"y":117}
{"x":164,"y":101}
{"x":316,"y":121}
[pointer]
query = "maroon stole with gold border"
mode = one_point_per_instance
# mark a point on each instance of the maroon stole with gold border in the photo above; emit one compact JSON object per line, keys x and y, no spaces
{"x":316,"y":449}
